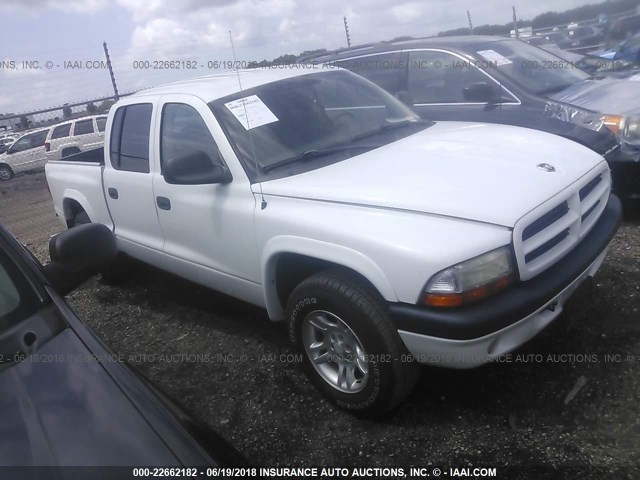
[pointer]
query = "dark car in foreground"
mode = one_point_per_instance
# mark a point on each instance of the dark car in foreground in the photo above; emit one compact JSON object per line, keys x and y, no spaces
{"x":67,"y":400}
{"x":502,"y":80}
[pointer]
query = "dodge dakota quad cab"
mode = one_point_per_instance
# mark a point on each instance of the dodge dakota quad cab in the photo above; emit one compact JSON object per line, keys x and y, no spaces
{"x":383,"y":240}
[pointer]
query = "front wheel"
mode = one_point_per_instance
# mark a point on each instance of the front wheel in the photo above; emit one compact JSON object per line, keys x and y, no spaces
{"x":5,"y":172}
{"x":352,"y":351}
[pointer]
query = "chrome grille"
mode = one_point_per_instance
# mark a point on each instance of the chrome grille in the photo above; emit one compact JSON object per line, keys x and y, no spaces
{"x":545,"y":235}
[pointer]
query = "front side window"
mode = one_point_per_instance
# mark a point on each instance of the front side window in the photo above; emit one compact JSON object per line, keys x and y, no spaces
{"x":184,"y":132}
{"x":440,"y":77}
{"x":83,"y":127}
{"x":61,"y":131}
{"x":302,"y":118}
{"x":22,"y":144}
{"x":129,"y":148}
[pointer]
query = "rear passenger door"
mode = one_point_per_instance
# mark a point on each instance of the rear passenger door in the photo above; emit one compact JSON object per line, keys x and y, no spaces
{"x":38,"y":140}
{"x":128,"y":180}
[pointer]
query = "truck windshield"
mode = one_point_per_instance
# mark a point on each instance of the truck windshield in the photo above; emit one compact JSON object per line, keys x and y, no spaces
{"x":325,"y":113}
{"x":534,"y":69}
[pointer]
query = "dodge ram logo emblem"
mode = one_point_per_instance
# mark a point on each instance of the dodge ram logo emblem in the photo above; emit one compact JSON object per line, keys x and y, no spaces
{"x":546,"y":167}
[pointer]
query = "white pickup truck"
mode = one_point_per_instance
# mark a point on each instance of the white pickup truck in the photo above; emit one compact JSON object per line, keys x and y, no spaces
{"x":384,"y":241}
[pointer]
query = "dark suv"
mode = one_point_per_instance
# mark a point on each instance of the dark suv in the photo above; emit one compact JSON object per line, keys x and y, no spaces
{"x":502,"y":80}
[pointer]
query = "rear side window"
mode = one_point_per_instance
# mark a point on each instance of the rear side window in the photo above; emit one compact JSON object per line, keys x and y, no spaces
{"x":38,"y":139}
{"x":101,"y":123}
{"x":388,"y":71}
{"x":129,"y":149}
{"x":439,"y":77}
{"x":83,"y":127}
{"x":61,"y":131}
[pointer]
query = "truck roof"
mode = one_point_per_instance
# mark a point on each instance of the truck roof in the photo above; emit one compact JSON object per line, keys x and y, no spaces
{"x":212,"y":87}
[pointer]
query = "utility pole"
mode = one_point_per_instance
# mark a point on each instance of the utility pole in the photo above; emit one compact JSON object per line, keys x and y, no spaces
{"x":470,"y":24}
{"x":113,"y":79}
{"x":346,"y":31}
{"x":515,"y":23}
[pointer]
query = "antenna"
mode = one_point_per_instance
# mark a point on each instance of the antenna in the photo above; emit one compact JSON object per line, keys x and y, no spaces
{"x":263,"y":204}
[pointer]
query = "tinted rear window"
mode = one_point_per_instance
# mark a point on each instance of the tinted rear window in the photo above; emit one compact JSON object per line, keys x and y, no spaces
{"x":130,"y":138}
{"x":83,"y":127}
{"x":61,"y":131}
{"x":101,"y":123}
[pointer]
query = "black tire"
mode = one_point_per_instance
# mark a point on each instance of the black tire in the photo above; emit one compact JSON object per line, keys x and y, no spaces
{"x":81,"y":218}
{"x":392,"y":374}
{"x":6,"y":173}
{"x":114,"y":273}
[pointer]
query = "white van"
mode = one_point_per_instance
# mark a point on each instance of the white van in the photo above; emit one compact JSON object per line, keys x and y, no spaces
{"x":75,"y":136}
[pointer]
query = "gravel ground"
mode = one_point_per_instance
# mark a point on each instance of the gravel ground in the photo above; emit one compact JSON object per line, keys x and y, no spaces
{"x":569,"y":397}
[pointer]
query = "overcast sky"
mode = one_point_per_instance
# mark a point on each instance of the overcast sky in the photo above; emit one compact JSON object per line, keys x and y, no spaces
{"x":56,"y":31}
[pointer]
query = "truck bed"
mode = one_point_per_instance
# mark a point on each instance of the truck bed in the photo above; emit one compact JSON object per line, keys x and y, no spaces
{"x":76,"y":181}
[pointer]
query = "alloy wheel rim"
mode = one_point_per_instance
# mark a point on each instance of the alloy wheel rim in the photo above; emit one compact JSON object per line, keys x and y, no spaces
{"x":335,"y":351}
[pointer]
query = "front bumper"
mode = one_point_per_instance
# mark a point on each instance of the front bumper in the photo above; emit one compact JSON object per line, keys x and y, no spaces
{"x":470,"y":336}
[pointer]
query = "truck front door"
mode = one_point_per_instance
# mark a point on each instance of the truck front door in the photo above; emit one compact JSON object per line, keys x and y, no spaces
{"x":208,"y":229}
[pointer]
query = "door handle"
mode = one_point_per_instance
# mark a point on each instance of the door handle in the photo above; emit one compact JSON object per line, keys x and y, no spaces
{"x":113,"y":193}
{"x":163,"y":203}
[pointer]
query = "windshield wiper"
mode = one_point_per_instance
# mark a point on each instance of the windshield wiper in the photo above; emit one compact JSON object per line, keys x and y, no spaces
{"x":388,"y":127}
{"x":309,"y":154}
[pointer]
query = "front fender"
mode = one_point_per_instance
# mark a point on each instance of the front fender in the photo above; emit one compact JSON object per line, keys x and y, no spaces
{"x":340,"y":255}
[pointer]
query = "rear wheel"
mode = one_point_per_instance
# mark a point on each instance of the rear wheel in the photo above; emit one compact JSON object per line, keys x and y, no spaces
{"x":352,"y":351}
{"x":6,"y":173}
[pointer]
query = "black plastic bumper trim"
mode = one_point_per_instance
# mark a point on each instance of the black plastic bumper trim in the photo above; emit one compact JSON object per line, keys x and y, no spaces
{"x":518,"y":301}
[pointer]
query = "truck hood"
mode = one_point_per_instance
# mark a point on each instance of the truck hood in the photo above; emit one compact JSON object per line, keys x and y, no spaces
{"x":481,"y":172}
{"x":615,"y":96}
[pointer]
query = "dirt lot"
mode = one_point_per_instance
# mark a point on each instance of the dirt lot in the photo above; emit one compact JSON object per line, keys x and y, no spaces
{"x":517,"y":412}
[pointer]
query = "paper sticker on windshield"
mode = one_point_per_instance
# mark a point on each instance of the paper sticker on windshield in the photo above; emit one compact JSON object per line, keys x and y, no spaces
{"x":494,"y":57}
{"x":251,"y":112}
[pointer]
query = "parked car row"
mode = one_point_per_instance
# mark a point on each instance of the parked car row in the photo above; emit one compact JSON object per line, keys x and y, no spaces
{"x":502,"y":80}
{"x":36,"y":147}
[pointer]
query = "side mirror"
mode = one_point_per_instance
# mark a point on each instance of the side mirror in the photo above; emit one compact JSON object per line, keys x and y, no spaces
{"x":78,"y":254}
{"x":195,"y":169}
{"x":480,"y":92}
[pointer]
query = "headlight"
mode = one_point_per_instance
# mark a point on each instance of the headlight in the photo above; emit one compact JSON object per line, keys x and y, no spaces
{"x":630,"y":130}
{"x":470,"y":280}
{"x":575,"y":115}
